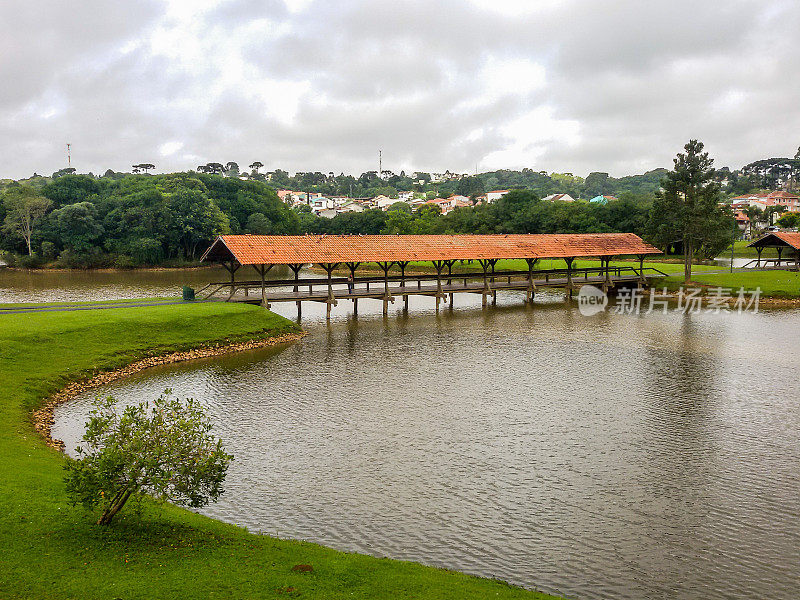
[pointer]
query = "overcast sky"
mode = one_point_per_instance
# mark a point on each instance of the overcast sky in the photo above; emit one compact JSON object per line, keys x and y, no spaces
{"x":556,"y":85}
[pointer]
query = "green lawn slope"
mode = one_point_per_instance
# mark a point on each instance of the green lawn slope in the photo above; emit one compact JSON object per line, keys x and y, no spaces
{"x":52,"y":550}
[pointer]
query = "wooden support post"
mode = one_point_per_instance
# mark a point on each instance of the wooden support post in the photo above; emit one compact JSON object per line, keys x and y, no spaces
{"x":607,"y":283}
{"x":351,"y":285}
{"x":385,"y":266}
{"x":449,"y":279}
{"x":531,"y":286}
{"x":296,"y":270}
{"x":492,"y":263}
{"x":232,"y":270}
{"x":780,"y":251}
{"x":642,"y":280}
{"x":262,"y":270}
{"x":331,"y":301}
{"x":569,"y":262}
{"x":759,"y":249}
{"x":484,"y":263}
{"x":402,"y":264}
{"x":438,"y":265}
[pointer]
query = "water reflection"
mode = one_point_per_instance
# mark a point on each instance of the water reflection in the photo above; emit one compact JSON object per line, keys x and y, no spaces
{"x":613,"y":456}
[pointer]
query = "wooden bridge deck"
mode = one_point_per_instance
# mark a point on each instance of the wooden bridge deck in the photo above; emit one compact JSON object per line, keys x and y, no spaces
{"x":320,"y":292}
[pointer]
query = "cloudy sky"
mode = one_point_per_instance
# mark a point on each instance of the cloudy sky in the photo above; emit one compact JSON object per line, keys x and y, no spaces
{"x":556,"y":85}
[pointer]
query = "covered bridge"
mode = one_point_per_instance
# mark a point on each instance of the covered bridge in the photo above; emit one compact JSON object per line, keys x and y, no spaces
{"x":330,"y":252}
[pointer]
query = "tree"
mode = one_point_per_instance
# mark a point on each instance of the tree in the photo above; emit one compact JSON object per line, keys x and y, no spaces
{"x":595,"y":184}
{"x":144,"y":167}
{"x":754,"y":214}
{"x":193,"y":220}
{"x":256,"y":166}
{"x":771,"y":211}
{"x":78,"y":226}
{"x":687,"y":208}
{"x":24,"y":209}
{"x":470,"y":186}
{"x":164,"y":449}
{"x":231,"y":169}
{"x":789,"y":220}
{"x":258,"y":224}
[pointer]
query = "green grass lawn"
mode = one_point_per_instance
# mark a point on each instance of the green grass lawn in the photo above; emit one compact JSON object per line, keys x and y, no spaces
{"x":773,"y":284}
{"x":14,"y":305}
{"x":740,"y":250}
{"x":52,"y":550}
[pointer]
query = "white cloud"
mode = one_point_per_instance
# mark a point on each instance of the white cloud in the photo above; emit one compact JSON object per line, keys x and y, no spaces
{"x":572,"y":85}
{"x":169,"y":148}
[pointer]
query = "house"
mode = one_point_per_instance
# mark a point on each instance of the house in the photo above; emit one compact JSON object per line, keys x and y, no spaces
{"x":351,"y":207}
{"x":384,"y":201}
{"x":495,"y":195}
{"x":559,"y":198}
{"x":285,"y":195}
{"x":743,"y":222}
{"x":448,"y":204}
{"x":320,"y":204}
{"x":405,"y":196}
{"x":781,"y":198}
{"x":299,"y":198}
{"x":765,"y":199}
{"x":602,"y":199}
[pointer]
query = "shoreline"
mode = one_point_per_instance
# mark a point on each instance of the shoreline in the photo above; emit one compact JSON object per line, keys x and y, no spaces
{"x":110,"y":269}
{"x":51,"y":358}
{"x":44,"y":417}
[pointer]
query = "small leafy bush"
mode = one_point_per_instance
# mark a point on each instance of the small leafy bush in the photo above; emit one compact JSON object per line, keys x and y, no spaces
{"x":162,"y":448}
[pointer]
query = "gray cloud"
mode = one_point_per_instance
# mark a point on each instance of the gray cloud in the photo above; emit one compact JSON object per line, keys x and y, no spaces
{"x":578,"y":86}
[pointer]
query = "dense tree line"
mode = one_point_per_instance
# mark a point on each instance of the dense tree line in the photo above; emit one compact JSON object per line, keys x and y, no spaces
{"x":124,"y":219}
{"x":83,"y":221}
{"x":543,"y":184}
{"x":136,"y":220}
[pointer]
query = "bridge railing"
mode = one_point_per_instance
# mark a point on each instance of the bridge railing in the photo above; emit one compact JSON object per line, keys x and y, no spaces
{"x":545,"y":275}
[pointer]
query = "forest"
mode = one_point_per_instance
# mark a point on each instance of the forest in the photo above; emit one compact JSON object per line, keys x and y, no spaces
{"x":127,"y":220}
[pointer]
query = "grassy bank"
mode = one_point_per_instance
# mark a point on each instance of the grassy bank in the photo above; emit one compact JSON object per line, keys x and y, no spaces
{"x":773,"y":284}
{"x":52,"y":550}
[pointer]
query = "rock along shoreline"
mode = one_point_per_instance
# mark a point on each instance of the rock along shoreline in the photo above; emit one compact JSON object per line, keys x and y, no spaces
{"x":43,"y":418}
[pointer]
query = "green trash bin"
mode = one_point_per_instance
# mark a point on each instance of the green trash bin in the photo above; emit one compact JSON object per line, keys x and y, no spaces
{"x":188,"y":293}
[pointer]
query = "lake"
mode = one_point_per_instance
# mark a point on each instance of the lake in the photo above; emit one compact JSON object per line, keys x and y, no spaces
{"x":613,"y":456}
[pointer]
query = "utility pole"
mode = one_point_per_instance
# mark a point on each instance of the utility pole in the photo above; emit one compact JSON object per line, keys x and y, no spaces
{"x":69,"y":156}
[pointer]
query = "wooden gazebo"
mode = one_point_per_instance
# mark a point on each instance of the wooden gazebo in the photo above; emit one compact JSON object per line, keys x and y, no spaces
{"x":787,"y":242}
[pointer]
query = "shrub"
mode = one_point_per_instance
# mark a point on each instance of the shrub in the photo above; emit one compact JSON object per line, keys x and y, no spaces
{"x":164,"y":449}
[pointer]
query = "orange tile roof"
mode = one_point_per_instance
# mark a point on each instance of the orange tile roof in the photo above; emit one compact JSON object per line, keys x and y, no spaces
{"x":302,"y":249}
{"x":790,"y":238}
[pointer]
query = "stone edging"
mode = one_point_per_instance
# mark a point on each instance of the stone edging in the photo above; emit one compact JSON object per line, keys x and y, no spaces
{"x":43,"y":417}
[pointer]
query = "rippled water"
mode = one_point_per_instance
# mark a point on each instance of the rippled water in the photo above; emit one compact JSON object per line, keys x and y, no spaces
{"x":87,"y":286}
{"x":606,"y":457}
